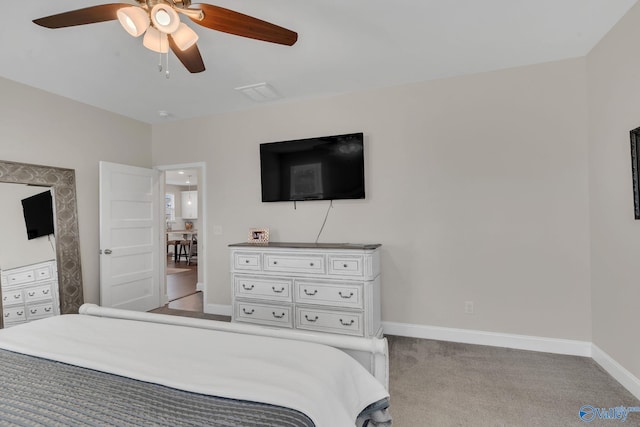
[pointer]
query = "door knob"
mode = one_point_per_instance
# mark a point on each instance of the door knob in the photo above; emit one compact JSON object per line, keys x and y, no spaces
{"x":107,"y":251}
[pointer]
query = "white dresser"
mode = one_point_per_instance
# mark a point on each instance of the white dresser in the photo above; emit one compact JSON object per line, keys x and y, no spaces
{"x":331,"y":288}
{"x":29,"y":292}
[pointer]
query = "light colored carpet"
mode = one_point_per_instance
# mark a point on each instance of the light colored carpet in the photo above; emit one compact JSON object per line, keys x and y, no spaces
{"x":442,"y":384}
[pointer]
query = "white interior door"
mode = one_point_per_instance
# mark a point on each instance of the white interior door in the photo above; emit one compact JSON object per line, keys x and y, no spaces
{"x":129,"y":237}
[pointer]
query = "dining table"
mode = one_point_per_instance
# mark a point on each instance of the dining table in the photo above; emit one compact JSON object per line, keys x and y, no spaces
{"x":184,"y":235}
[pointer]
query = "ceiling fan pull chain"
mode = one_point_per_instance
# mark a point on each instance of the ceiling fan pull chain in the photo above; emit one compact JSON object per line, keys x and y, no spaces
{"x":160,"y":62}
{"x":167,"y":75}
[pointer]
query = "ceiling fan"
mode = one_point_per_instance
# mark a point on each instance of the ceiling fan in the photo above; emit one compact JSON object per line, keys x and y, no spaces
{"x":160,"y":23}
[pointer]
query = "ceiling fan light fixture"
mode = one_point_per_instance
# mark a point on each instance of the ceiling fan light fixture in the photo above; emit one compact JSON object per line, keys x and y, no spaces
{"x":165,"y":18}
{"x":184,"y":37}
{"x":134,"y":20}
{"x":156,"y":41}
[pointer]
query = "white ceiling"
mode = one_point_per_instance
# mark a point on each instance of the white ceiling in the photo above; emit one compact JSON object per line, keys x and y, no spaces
{"x":343,"y":46}
{"x":182,"y":177}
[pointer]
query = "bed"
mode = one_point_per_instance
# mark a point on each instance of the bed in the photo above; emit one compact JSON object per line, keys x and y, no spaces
{"x":116,"y":367}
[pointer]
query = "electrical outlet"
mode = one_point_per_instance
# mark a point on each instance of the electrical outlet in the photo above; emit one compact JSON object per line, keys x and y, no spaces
{"x":468,"y":307}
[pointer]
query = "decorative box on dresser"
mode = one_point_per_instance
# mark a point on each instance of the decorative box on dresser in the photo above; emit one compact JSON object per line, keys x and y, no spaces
{"x":321,"y":287}
{"x":29,"y":292}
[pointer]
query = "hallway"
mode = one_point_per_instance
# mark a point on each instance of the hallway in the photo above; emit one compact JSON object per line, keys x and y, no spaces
{"x":184,"y":299}
{"x":181,"y":286}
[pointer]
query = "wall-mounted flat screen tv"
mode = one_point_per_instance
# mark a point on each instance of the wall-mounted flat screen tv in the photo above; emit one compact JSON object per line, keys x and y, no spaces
{"x":323,"y":168}
{"x":38,"y":215}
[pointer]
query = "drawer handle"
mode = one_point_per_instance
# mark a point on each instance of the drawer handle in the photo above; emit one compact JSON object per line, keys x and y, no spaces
{"x":277,"y":291}
{"x":311,"y":320}
{"x":6,"y":315}
{"x":315,"y":291}
{"x":346,"y":324}
{"x":16,"y":296}
{"x":275,"y":262}
{"x":33,"y":310}
{"x":20,"y":313}
{"x":247,"y":289}
{"x":344,"y":265}
{"x":45,"y":291}
{"x":246,"y":261}
{"x":32,"y":293}
{"x":311,"y":264}
{"x":47,"y":309}
{"x":244,"y":310}
{"x":345,"y":296}
{"x":276,"y":316}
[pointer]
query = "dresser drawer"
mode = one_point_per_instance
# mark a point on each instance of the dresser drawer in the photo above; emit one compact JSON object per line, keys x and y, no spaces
{"x":295,"y":263}
{"x":332,"y":294}
{"x":38,"y":293}
{"x":12,"y":297}
{"x":38,"y":311}
{"x":246,"y":261}
{"x":14,"y":314}
{"x":272,"y":288}
{"x":43,"y":273}
{"x":346,"y":265}
{"x":334,"y":322}
{"x":20,"y":277}
{"x":263,"y":314}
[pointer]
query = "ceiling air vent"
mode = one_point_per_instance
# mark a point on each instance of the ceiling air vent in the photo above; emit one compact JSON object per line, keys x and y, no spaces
{"x":259,"y":92}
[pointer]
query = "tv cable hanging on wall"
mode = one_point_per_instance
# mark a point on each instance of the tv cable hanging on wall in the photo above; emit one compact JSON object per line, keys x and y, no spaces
{"x":325,"y":220}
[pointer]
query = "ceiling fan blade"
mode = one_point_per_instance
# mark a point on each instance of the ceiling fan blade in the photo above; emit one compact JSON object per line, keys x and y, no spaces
{"x":229,"y":21}
{"x":87,"y":15}
{"x":190,"y":58}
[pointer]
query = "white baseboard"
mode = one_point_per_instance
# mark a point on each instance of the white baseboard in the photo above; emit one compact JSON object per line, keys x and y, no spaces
{"x":617,"y":371}
{"x":468,"y":336}
{"x":219,"y":309}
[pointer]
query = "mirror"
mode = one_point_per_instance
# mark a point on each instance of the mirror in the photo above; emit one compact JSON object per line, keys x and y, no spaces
{"x":63,"y":183}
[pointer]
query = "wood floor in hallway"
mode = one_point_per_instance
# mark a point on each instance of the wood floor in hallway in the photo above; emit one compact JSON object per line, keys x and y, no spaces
{"x":181,"y":286}
{"x":184,"y":298}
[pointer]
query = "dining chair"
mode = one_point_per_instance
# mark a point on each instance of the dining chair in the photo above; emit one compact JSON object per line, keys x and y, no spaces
{"x":183,"y":250}
{"x":193,"y":250}
{"x":176,"y":246}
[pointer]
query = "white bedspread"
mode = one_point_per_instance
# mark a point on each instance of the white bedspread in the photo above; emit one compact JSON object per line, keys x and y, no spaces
{"x":322,"y":382}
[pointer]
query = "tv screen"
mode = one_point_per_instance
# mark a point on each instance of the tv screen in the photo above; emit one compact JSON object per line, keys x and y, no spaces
{"x":324,"y":168}
{"x":38,"y":215}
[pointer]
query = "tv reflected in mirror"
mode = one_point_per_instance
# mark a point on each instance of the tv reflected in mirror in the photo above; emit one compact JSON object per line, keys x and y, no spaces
{"x":38,"y":215}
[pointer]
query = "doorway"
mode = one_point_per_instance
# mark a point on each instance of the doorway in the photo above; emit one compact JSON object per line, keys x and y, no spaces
{"x":185,"y":226}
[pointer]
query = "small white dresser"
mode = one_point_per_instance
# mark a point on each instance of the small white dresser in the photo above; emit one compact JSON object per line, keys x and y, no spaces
{"x":29,"y":292}
{"x":330,"y":288}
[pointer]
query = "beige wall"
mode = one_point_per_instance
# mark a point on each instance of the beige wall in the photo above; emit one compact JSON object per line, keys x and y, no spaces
{"x":614,"y":84}
{"x":476,"y":188}
{"x":40,"y":128}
